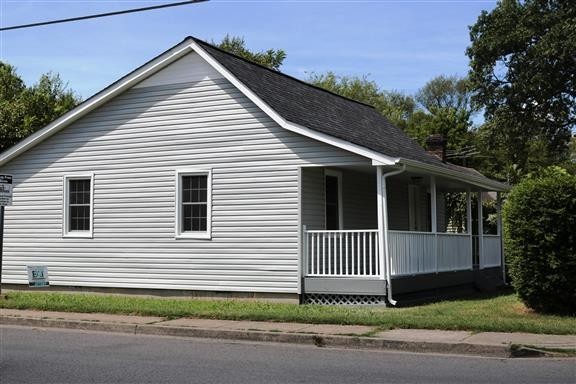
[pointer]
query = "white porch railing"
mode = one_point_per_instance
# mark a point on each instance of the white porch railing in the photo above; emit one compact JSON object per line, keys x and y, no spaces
{"x":492,"y":251}
{"x":454,"y":252}
{"x":352,"y":253}
{"x":414,"y":253}
{"x":410,"y":252}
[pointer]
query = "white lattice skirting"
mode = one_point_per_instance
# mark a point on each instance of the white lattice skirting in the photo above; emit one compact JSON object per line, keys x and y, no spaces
{"x":331,"y":299}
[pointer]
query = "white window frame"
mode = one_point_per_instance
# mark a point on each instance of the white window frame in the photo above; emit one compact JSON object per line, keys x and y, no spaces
{"x":65,"y":209}
{"x":179,"y":233}
{"x":338,"y":175}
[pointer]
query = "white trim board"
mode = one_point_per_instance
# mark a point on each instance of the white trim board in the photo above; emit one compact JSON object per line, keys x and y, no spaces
{"x":179,"y":233}
{"x":66,"y":233}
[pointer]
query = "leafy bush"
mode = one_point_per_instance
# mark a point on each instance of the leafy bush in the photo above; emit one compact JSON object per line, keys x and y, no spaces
{"x":540,"y":241}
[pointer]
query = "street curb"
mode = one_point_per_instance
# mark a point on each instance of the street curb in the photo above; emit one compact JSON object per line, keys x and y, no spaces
{"x":327,"y":341}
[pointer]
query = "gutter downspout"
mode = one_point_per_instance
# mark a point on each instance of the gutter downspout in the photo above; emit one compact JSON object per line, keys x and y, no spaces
{"x":386,"y":249}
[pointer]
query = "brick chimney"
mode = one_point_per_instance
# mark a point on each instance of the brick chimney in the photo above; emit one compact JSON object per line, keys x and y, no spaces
{"x":436,"y":146}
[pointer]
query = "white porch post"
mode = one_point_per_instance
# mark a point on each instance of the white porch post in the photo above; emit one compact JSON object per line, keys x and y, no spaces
{"x":469,"y":223}
{"x":434,"y":219}
{"x":381,"y":229}
{"x":499,"y":214}
{"x":480,"y":231}
{"x":501,"y":234}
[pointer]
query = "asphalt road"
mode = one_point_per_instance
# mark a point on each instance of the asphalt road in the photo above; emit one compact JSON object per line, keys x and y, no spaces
{"x":31,"y":355}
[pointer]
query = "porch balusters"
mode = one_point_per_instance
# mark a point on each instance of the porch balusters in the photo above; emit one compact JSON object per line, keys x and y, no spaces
{"x":352,"y":253}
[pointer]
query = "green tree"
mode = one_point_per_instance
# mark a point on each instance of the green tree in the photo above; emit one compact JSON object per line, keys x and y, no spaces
{"x":271,"y":58}
{"x":447,"y":101}
{"x":24,"y":110}
{"x":446,"y":92}
{"x":523,"y":73}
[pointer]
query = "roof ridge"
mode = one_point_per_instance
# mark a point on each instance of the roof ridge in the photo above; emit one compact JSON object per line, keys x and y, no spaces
{"x":281,"y":73}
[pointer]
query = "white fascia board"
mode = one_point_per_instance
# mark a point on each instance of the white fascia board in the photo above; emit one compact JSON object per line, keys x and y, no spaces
{"x":481,"y":182}
{"x":380,"y":163}
{"x":97,"y":100}
{"x":288,"y":125}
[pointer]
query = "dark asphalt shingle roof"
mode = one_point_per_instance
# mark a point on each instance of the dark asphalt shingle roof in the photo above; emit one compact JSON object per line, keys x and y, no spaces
{"x":320,"y":110}
{"x":323,"y":111}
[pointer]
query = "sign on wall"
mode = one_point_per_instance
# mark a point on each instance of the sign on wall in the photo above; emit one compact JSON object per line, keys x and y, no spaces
{"x":38,"y":276}
{"x":5,"y":190}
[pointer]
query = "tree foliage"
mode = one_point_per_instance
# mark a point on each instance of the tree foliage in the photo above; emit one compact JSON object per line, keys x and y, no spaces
{"x":442,"y":106}
{"x":271,"y":58}
{"x":447,"y":101}
{"x":540,"y":243}
{"x":523,"y":72}
{"x":446,"y":92}
{"x":24,"y":110}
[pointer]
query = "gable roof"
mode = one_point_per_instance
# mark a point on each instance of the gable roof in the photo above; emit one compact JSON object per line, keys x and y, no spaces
{"x":294,"y":104}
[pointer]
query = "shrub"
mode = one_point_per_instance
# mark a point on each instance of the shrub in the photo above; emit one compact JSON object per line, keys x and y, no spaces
{"x":540,"y":241}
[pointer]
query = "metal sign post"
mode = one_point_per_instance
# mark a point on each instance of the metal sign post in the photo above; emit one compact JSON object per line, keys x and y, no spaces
{"x":1,"y":243}
{"x":5,"y":199}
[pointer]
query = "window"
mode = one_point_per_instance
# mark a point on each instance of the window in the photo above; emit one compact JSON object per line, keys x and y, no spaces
{"x":78,"y":206}
{"x":193,"y":212}
{"x":333,"y":200}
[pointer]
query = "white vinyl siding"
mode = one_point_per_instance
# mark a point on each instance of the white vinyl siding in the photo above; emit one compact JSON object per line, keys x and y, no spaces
{"x":358,"y":198}
{"x":313,"y":207}
{"x":187,"y":69}
{"x":398,"y":212}
{"x":134,"y":144}
{"x":359,"y":193}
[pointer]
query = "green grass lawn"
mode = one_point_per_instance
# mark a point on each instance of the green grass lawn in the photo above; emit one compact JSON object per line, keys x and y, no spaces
{"x":501,"y":313}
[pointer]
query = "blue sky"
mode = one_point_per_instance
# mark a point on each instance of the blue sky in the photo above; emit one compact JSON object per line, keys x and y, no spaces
{"x":399,"y":44}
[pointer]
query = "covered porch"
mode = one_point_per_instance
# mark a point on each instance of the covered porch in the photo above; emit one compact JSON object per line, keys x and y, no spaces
{"x":372,"y":231}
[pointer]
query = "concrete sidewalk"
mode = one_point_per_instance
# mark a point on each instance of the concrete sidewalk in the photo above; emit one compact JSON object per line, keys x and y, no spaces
{"x":322,"y":335}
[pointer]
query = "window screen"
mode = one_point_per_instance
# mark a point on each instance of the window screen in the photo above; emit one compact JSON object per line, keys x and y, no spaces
{"x":194,"y":203}
{"x":79,"y":205}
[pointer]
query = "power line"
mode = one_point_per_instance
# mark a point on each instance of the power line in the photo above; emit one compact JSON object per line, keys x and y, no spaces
{"x":100,"y":15}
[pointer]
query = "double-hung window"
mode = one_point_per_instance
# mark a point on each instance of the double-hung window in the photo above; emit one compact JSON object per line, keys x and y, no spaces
{"x":77,"y":220}
{"x":193,"y":211}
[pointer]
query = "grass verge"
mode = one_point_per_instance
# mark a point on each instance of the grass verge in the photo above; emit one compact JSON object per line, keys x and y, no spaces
{"x":503,"y":313}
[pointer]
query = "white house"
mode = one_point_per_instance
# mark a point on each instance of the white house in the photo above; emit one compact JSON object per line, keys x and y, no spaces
{"x":202,"y":173}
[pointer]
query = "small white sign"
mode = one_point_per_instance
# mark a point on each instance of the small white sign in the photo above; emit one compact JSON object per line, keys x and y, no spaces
{"x":5,"y":190}
{"x":38,"y":276}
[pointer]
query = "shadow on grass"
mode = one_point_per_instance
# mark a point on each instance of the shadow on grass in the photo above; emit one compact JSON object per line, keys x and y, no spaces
{"x":468,"y":293}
